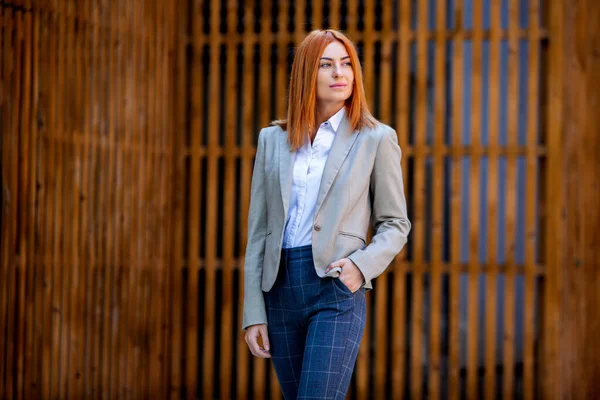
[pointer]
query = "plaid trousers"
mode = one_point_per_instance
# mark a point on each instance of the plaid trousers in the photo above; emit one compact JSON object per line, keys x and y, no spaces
{"x":315,"y":326}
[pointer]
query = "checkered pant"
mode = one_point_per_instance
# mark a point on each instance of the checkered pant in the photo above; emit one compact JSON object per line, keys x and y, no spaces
{"x":315,"y":327}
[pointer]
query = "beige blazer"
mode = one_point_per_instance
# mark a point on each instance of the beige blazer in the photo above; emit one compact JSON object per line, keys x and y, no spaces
{"x":362,"y":180}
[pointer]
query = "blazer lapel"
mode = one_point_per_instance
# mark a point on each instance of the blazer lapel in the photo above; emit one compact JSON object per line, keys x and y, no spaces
{"x":342,"y":143}
{"x":286,"y":162}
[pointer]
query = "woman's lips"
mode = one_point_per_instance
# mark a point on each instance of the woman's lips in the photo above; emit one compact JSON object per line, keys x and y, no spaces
{"x":338,"y":86}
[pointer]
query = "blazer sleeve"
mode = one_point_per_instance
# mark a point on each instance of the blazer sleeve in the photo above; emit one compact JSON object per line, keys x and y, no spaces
{"x":254,"y":304}
{"x":390,"y":221}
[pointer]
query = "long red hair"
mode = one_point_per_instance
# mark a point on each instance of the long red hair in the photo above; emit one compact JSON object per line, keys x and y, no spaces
{"x":302,"y":101}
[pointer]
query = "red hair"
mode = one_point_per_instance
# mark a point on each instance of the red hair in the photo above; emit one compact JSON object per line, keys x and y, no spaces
{"x":302,"y":101}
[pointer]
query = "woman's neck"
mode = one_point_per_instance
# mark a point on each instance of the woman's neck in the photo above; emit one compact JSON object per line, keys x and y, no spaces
{"x":324,"y":112}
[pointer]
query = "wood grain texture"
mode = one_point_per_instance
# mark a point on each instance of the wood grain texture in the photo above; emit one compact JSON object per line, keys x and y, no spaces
{"x":128,"y":140}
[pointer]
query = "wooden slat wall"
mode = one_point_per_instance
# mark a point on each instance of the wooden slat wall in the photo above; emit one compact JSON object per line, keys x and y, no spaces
{"x":128,"y":140}
{"x":87,"y":150}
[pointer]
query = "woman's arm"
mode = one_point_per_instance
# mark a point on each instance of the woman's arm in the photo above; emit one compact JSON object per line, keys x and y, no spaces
{"x":390,"y":220}
{"x":254,"y":305}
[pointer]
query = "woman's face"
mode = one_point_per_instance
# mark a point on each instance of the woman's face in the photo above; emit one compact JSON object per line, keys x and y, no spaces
{"x":335,"y":79}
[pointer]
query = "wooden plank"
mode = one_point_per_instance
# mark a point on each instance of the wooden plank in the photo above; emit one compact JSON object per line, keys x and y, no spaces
{"x":402,"y":126}
{"x":93,"y":283}
{"x":70,"y":204}
{"x":9,"y":224}
{"x":148,"y":253}
{"x":78,"y":255}
{"x":299,"y":24}
{"x":208,"y":349}
{"x":139,"y":160}
{"x":492,"y":205}
{"x":551,"y":205}
{"x":110,"y":324}
{"x":531,"y":200}
{"x":334,"y":14}
{"x":196,"y":116}
{"x":229,"y":200}
{"x":418,"y":230}
{"x":248,"y":150}
{"x":474,"y":208}
{"x":33,"y":356}
{"x":4,"y":240}
{"x":155,"y":219}
{"x":168,"y":115}
{"x":455,"y":205}
{"x":176,"y":346}
{"x":57,"y":221}
{"x":178,"y":336}
{"x":18,"y":263}
{"x":128,"y":168}
{"x":511,"y":202}
{"x":381,"y":293}
{"x":437,"y":227}
{"x":317,"y":15}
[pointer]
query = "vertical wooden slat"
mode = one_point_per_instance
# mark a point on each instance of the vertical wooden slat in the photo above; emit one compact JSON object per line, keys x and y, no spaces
{"x":110,"y":324}
{"x":77,"y":341}
{"x":181,"y":153}
{"x":127,"y":259}
{"x":19,"y":264}
{"x":474,"y":210}
{"x":4,"y":240}
{"x":418,"y":231}
{"x":437,"y":227}
{"x":229,"y":198}
{"x":57,"y":220}
{"x":9,"y":223}
{"x":134,"y":383}
{"x":196,"y":116}
{"x":156,"y":219}
{"x":32,"y":348}
{"x":492,"y":204}
{"x":455,"y":205}
{"x":402,"y":126}
{"x":553,"y":202}
{"x":94,"y":282}
{"x":530,"y":199}
{"x":248,"y":151}
{"x":210,"y":267}
{"x":381,"y":292}
{"x":511,"y":200}
{"x":334,"y":14}
{"x":317,"y":14}
{"x":149,"y":149}
{"x":70,"y":204}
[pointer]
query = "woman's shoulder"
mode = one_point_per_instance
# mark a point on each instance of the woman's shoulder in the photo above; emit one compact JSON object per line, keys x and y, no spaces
{"x":271,"y":132}
{"x":378,"y":132}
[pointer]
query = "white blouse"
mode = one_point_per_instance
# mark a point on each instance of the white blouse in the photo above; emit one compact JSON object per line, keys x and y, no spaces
{"x":308,"y":169}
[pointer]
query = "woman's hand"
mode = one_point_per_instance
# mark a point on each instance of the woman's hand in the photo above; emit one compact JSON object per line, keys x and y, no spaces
{"x":350,"y":275}
{"x":254,"y":333}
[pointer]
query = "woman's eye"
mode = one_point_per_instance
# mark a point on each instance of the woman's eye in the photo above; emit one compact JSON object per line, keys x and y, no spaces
{"x":325,"y":65}
{"x":348,"y":64}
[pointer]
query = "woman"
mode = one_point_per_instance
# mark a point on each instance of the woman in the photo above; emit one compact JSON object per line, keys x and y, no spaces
{"x":319,"y":176}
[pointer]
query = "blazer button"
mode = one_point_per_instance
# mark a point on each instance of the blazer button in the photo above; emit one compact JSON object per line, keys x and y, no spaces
{"x":317,"y":227}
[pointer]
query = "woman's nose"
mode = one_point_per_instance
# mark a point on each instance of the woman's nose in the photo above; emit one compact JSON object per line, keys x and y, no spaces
{"x":337,"y":71}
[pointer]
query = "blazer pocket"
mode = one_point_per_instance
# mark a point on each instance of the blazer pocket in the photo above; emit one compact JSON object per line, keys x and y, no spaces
{"x":353,"y":236}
